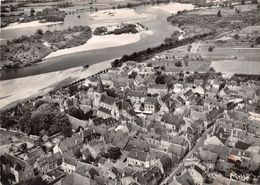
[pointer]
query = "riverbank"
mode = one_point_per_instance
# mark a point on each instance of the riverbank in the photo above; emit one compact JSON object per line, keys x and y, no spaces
{"x":173,"y":8}
{"x":18,"y":90}
{"x":101,"y":42}
{"x":19,"y":25}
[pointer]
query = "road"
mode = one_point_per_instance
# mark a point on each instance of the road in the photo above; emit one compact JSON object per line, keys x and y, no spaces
{"x":188,"y":155}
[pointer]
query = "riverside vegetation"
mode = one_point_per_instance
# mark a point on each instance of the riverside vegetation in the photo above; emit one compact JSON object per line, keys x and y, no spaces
{"x":46,"y":15}
{"x":25,"y":51}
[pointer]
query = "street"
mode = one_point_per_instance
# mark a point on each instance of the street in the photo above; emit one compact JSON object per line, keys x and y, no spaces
{"x":188,"y":155}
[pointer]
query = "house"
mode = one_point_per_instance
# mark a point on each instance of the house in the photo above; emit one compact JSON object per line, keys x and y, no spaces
{"x":151,"y":105}
{"x":167,"y":163}
{"x":232,"y":85}
{"x":69,"y":146}
{"x":240,"y":157}
{"x":221,"y":132}
{"x":138,"y":158}
{"x":68,"y":165}
{"x":209,"y":158}
{"x":89,"y":135}
{"x":184,"y":178}
{"x":136,"y":97}
{"x":33,"y":155}
{"x":187,"y":94}
{"x":75,"y":179}
{"x":157,"y":89}
{"x":126,"y":110}
{"x":196,"y":174}
{"x":86,"y":155}
{"x":151,"y":176}
{"x":138,"y":80}
{"x":49,"y":163}
{"x":137,"y":144}
{"x":222,"y":151}
{"x":152,"y":138}
{"x":167,"y":104}
{"x":177,"y":145}
{"x":198,"y":82}
{"x":220,"y":180}
{"x":96,"y":148}
{"x":172,"y":122}
{"x":178,"y":88}
{"x":118,"y":139}
{"x":213,"y":115}
{"x":109,"y":171}
{"x":15,"y":169}
{"x":179,"y":102}
{"x":91,"y":81}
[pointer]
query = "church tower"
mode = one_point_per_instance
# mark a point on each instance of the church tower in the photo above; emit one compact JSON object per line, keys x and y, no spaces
{"x":98,"y":93}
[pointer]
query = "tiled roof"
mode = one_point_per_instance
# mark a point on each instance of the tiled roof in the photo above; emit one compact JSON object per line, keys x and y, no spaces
{"x":151,"y":100}
{"x":135,"y":93}
{"x":70,"y":142}
{"x":242,"y":145}
{"x":139,"y":155}
{"x":36,"y":153}
{"x":222,"y":151}
{"x":70,"y":161}
{"x":208,"y":156}
{"x":108,"y":100}
{"x":104,"y":110}
{"x":166,"y":98}
{"x":180,"y":99}
{"x":185,"y":179}
{"x":120,"y":140}
{"x":57,"y":157}
{"x":157,"y":86}
{"x":172,"y":119}
{"x":188,"y":93}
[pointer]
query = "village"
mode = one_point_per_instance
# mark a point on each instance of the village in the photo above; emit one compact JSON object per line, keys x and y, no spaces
{"x":168,"y":115}
{"x":136,"y":124}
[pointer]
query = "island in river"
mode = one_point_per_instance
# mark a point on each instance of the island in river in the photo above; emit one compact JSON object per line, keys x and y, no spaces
{"x":25,"y":51}
{"x":46,"y":15}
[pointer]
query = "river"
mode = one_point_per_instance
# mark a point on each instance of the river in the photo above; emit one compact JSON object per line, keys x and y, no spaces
{"x":153,"y":17}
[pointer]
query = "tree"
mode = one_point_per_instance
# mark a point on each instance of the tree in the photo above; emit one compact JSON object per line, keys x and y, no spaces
{"x":39,"y":31}
{"x":47,"y":117}
{"x":114,"y":153}
{"x":160,"y":79}
{"x":23,"y":147}
{"x":67,"y":131}
{"x":78,"y":154}
{"x":257,"y":40}
{"x":236,"y":36}
{"x":38,"y":103}
{"x":178,"y":64}
{"x":133,"y":75}
{"x":75,"y":112}
{"x":211,"y":48}
{"x":219,"y":13}
{"x":23,"y":122}
{"x":32,"y":11}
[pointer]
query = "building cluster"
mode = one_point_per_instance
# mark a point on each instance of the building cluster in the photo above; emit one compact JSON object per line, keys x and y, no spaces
{"x":143,"y":132}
